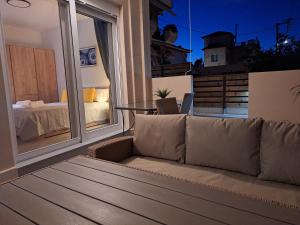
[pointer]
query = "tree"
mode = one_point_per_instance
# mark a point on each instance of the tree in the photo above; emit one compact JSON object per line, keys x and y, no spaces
{"x":285,"y":57}
{"x":199,"y":63}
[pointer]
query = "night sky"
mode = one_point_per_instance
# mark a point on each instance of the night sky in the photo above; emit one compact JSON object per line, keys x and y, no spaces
{"x":255,"y":18}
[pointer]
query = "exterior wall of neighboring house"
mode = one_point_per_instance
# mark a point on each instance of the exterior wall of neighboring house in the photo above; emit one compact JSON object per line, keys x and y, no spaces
{"x":271,"y":95}
{"x":218,"y":53}
{"x":225,"y":39}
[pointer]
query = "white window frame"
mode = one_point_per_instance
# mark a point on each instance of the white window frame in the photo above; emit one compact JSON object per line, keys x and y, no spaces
{"x":214,"y":58}
{"x":108,"y":16}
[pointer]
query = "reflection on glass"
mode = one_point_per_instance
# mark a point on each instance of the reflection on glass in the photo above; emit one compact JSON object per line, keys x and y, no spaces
{"x":95,"y":58}
{"x":37,"y":74}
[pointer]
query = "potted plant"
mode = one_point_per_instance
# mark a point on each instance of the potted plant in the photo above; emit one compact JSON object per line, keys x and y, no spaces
{"x":162,"y":93}
{"x":296,"y":91}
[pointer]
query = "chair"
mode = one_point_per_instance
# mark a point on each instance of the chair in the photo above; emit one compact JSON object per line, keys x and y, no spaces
{"x":186,"y":103}
{"x":167,"y":106}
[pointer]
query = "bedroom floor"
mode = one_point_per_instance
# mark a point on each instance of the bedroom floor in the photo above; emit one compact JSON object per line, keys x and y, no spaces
{"x":42,"y":142}
{"x":50,"y":140}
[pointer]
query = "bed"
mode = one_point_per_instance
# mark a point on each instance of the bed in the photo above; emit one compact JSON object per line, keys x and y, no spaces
{"x":33,"y":122}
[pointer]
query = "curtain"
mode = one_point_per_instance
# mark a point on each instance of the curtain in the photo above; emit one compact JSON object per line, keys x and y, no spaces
{"x":102,"y":40}
{"x":101,"y":30}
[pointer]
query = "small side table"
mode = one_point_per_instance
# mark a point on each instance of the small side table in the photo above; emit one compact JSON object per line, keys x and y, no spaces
{"x":149,"y":107}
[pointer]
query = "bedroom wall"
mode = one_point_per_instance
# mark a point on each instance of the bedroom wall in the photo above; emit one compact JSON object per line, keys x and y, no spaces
{"x":22,"y":36}
{"x":93,"y":76}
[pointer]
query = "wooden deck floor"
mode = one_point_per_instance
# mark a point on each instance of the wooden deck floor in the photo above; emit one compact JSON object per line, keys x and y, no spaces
{"x":83,"y":191}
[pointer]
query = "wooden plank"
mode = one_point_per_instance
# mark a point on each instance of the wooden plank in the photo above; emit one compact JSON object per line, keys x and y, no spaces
{"x":24,"y":73}
{"x":208,"y":94}
{"x":212,"y":100}
{"x":38,"y":210}
{"x":237,"y":94}
{"x":237,"y":88}
{"x":179,"y":200}
{"x":276,"y":212}
{"x":236,"y":76}
{"x":208,"y":78}
{"x":208,"y":84}
{"x":235,"y":105}
{"x":202,"y":104}
{"x":236,"y":82}
{"x":97,"y":211}
{"x":208,"y":89}
{"x":9,"y":217}
{"x":154,"y":210}
{"x":236,"y":99}
{"x":46,"y":75}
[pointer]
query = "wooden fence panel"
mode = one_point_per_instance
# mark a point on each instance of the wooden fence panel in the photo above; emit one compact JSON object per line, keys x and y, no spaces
{"x":230,"y":90}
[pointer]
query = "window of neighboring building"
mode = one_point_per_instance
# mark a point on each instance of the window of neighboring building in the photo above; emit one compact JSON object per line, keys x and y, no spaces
{"x":214,"y":58}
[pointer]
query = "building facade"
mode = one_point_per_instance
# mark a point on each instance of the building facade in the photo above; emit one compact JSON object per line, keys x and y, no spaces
{"x":217,"y":48}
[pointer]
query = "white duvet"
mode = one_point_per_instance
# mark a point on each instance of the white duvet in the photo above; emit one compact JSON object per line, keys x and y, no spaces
{"x":36,"y":121}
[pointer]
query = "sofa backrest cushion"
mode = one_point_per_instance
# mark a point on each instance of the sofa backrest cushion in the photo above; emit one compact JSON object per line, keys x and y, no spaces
{"x":280,"y":152}
{"x":231,"y":144}
{"x":160,"y":136}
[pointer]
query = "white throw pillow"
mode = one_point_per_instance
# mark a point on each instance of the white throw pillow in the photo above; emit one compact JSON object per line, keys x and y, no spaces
{"x":102,"y":95}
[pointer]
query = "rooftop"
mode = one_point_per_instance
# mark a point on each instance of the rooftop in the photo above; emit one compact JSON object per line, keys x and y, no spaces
{"x":218,"y":33}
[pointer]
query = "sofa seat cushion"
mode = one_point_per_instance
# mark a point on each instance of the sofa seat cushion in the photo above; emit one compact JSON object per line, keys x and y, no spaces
{"x":160,"y":136}
{"x":280,"y":152}
{"x":276,"y":193}
{"x":231,"y":144}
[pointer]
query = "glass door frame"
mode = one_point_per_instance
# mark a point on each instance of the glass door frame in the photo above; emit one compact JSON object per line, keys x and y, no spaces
{"x":109,"y":130}
{"x":84,"y":137}
{"x":71,"y":79}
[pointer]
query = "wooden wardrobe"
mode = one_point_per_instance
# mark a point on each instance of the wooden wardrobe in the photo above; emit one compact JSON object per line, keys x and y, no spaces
{"x":32,"y":74}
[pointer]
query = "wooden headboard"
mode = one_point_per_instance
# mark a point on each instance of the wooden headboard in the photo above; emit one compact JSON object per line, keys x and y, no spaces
{"x":32,"y":74}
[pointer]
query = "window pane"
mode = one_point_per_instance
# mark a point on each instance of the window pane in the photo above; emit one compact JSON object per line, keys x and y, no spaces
{"x":38,"y":73}
{"x":96,"y":58}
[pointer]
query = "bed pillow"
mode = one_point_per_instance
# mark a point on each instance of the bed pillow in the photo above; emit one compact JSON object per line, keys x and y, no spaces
{"x":89,"y":95}
{"x":230,"y":144}
{"x":102,"y":95}
{"x":64,"y":96}
{"x":280,"y":152}
{"x":160,"y":136}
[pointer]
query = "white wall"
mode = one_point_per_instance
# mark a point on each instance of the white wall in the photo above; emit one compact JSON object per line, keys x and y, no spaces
{"x":179,"y":85}
{"x":270,"y":95}
{"x":93,"y":76}
{"x":22,"y":36}
{"x":221,"y":52}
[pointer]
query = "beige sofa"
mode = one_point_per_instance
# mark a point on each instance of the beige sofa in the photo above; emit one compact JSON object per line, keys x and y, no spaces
{"x":250,"y":157}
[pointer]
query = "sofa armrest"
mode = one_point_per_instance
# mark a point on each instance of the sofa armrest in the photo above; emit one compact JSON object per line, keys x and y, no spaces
{"x":115,"y":150}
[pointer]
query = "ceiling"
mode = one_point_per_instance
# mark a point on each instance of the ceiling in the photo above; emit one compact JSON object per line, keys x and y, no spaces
{"x":41,"y":15}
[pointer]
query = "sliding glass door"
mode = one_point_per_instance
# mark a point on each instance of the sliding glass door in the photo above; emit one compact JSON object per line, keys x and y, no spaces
{"x":63,"y":74}
{"x":98,"y":69}
{"x":40,"y":68}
